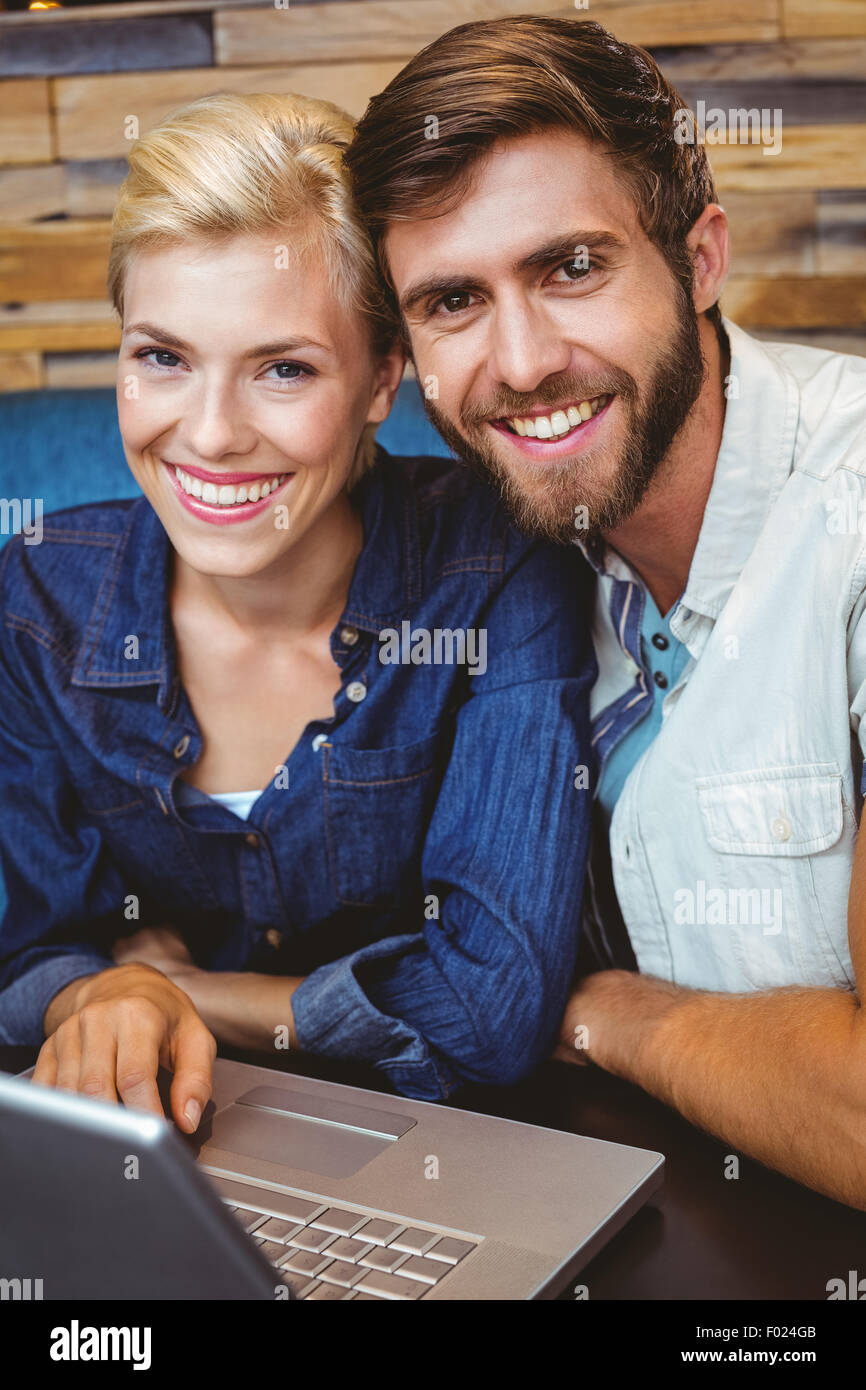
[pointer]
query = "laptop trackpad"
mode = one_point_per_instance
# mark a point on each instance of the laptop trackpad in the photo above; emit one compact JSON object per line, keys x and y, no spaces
{"x":298,"y":1130}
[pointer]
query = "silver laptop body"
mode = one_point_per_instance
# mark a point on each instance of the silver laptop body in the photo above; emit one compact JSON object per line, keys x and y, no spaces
{"x":313,"y":1191}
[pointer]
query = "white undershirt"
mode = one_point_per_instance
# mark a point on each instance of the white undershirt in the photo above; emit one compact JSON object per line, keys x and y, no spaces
{"x":239,"y":802}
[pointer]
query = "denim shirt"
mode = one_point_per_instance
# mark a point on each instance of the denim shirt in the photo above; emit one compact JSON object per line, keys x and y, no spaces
{"x":420,"y":856}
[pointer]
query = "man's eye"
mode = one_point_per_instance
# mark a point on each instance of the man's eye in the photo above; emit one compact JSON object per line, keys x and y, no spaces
{"x":456,"y":302}
{"x":575,"y":269}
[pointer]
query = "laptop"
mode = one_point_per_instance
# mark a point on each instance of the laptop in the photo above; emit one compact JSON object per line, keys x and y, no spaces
{"x":300,"y":1189}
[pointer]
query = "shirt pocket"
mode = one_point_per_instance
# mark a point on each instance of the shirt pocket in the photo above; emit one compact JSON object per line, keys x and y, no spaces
{"x":775,"y":832}
{"x":378,"y":804}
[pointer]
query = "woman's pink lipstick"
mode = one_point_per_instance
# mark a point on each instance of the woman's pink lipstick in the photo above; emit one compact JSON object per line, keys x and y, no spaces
{"x":224,"y":516}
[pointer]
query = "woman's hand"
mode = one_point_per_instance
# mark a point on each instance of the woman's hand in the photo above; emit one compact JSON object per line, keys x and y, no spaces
{"x":110,"y":1032}
{"x":159,"y":947}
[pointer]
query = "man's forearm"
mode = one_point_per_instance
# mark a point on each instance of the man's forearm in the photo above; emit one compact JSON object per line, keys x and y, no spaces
{"x":779,"y":1075}
{"x":244,"y":1009}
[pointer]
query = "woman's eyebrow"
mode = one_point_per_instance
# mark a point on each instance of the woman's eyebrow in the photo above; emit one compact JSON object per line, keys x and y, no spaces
{"x":275,"y":349}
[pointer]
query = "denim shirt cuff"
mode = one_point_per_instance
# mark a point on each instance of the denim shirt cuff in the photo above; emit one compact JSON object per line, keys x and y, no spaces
{"x":23,"y":1003}
{"x":335,"y":1018}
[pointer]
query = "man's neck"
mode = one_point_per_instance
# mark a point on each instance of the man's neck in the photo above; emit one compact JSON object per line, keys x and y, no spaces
{"x":659,"y":539}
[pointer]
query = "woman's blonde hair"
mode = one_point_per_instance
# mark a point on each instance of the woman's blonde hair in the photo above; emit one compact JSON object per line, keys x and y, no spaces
{"x":231,"y":164}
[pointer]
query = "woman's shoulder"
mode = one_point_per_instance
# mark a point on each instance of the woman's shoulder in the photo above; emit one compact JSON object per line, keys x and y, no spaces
{"x":52,"y":569}
{"x":463,"y":523}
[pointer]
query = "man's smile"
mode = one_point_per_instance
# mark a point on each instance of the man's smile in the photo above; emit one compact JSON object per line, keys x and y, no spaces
{"x":549,"y":434}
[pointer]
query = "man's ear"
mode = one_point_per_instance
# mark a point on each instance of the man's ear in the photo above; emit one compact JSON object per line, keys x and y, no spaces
{"x":388,"y":373}
{"x":709,"y":244}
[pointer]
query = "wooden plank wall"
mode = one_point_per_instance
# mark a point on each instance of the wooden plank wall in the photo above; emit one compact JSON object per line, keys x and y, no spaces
{"x":69,"y":80}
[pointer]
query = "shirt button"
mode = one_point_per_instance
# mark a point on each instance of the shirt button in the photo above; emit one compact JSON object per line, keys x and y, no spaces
{"x":318,"y":741}
{"x":632,"y":667}
{"x":274,"y":938}
{"x":661,"y":680}
{"x":181,"y":747}
{"x":781,"y":828}
{"x":252,"y":840}
{"x":356,"y":691}
{"x":348,"y":636}
{"x":660,"y":641}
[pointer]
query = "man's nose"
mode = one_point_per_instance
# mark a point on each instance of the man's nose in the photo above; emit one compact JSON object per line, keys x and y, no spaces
{"x":526,"y":346}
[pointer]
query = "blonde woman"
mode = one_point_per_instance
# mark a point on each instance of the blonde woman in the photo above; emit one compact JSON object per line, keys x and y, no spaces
{"x":287,"y":745}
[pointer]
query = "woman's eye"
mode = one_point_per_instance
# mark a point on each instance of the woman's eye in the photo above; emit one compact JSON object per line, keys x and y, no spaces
{"x":289,"y":371}
{"x":160,"y":357}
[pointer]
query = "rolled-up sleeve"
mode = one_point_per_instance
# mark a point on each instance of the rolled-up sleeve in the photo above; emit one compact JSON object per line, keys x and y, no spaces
{"x":476,"y":990}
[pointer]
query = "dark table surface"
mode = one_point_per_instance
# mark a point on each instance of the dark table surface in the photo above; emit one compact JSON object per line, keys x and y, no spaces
{"x":704,"y":1236}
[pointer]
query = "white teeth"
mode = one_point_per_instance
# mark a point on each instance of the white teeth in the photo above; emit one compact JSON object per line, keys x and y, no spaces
{"x":560,"y":422}
{"x":226,"y":495}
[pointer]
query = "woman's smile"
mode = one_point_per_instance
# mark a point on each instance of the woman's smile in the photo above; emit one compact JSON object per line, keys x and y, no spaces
{"x":223,"y":498}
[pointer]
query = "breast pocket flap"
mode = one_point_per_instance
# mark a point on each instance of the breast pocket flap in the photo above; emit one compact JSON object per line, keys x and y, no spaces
{"x":783,"y":811}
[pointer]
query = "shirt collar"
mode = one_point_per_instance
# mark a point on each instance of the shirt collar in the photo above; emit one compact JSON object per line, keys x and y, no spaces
{"x":754,"y":460}
{"x":129,"y":639}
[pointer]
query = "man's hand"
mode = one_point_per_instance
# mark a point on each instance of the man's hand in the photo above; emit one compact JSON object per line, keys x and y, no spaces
{"x":159,"y":947}
{"x":109,"y":1034}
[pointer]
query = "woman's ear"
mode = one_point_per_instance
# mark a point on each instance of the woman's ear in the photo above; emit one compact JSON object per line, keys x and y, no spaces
{"x":388,"y":373}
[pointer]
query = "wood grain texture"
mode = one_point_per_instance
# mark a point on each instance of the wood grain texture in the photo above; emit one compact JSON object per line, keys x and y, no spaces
{"x":395,"y":28}
{"x":91,"y":111}
{"x":21,"y":371}
{"x":841,"y":225}
{"x":814,"y":17}
{"x":812,"y":157}
{"x":25,"y":121}
{"x":842,"y":60}
{"x":773,"y":233}
{"x":785,"y":302}
{"x":89,"y":325}
{"x":79,"y":370}
{"x":53,"y":260}
{"x":32,"y":191}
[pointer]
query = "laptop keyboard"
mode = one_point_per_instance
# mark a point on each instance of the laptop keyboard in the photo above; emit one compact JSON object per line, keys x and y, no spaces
{"x":324,"y":1252}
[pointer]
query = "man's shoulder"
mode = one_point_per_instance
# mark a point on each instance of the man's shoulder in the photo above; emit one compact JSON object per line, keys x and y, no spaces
{"x":51,"y":570}
{"x":831,"y":424}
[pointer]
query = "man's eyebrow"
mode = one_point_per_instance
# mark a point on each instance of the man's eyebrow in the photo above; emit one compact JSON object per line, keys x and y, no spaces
{"x":285,"y":346}
{"x":561,"y":248}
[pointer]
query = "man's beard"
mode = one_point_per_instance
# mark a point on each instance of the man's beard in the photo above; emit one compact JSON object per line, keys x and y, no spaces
{"x":544,"y":498}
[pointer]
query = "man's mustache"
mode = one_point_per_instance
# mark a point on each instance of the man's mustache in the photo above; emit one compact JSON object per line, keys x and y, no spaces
{"x":553,"y":391}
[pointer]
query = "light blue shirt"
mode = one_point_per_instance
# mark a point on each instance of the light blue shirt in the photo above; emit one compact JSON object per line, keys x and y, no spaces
{"x":664,"y":657}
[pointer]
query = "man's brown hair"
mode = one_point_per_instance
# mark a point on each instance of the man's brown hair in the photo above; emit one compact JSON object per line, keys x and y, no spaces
{"x":418,"y":142}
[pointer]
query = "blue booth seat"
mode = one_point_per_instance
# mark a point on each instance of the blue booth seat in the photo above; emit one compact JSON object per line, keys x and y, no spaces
{"x":64,"y":447}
